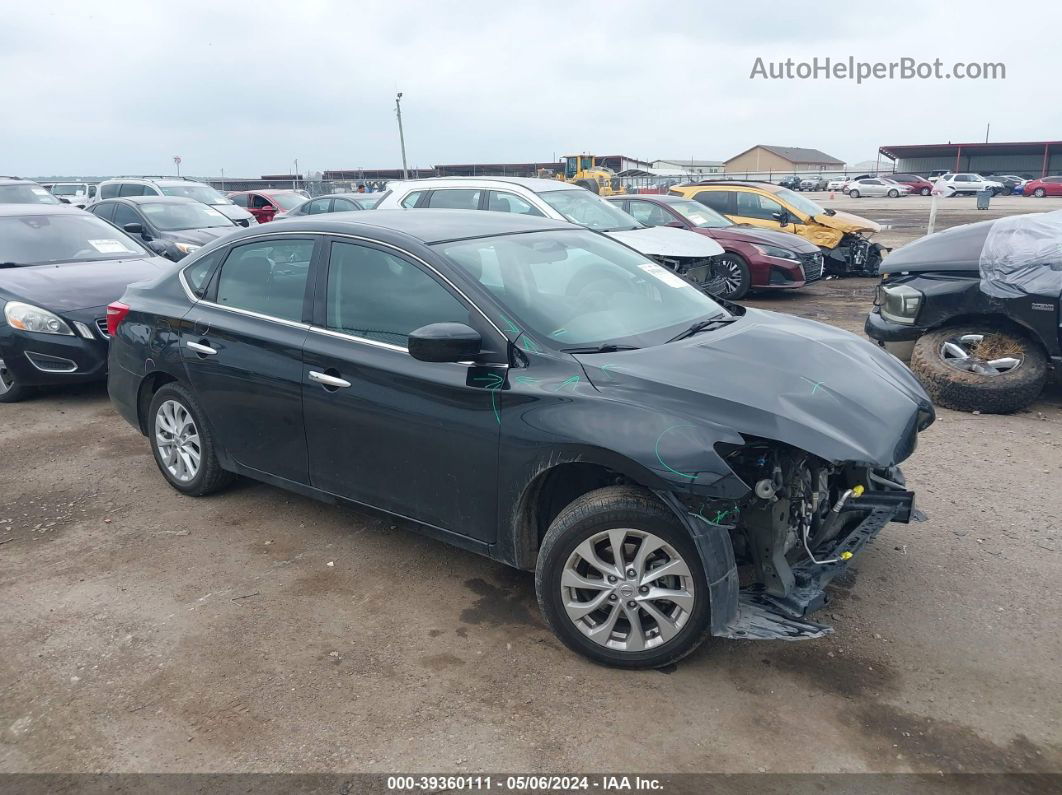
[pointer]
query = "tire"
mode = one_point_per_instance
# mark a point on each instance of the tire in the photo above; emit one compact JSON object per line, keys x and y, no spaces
{"x":208,"y":477}
{"x":1039,"y":193}
{"x":589,"y":519}
{"x":10,"y":390}
{"x":736,"y":276}
{"x":894,"y":194}
{"x":962,"y":390}
{"x":853,"y":194}
{"x":926,"y":191}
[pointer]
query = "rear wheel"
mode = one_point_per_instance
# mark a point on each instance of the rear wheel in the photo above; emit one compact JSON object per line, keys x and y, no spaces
{"x":10,"y":390}
{"x":183,"y":444}
{"x":734,"y":276}
{"x":979,"y":367}
{"x":894,"y":194}
{"x":620,"y":581}
{"x":926,"y":191}
{"x":1039,"y":193}
{"x":853,"y":193}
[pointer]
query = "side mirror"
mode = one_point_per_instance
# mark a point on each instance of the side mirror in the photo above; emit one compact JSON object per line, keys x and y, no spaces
{"x":782,"y":218}
{"x":444,"y":342}
{"x":64,"y":201}
{"x":134,"y":229}
{"x":676,"y":224}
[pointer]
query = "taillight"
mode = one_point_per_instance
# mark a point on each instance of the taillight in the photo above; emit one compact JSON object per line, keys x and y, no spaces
{"x":116,"y":313}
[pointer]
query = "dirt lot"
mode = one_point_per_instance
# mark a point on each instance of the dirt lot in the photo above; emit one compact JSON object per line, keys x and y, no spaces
{"x":260,"y":631}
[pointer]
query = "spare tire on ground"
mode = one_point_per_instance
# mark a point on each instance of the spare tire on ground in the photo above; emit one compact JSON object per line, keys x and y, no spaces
{"x":979,"y":367}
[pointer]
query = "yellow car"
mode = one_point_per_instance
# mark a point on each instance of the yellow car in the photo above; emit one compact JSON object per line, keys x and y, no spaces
{"x":844,"y":238}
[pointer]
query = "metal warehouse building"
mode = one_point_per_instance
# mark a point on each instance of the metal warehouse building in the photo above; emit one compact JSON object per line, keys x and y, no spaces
{"x":1032,"y":158}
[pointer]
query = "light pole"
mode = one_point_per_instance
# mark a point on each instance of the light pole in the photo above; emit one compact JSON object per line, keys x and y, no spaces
{"x":401,"y":135}
{"x":294,"y":181}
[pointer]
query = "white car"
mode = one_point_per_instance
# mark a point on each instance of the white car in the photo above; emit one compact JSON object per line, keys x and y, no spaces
{"x":76,"y":193}
{"x":837,"y":184}
{"x":959,"y":184}
{"x":173,"y":186}
{"x":678,"y":249}
{"x":877,"y":186}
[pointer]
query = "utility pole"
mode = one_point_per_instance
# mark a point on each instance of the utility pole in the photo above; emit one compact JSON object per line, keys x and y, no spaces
{"x":989,"y":127}
{"x":223,"y":179}
{"x":294,"y":182}
{"x":401,"y":135}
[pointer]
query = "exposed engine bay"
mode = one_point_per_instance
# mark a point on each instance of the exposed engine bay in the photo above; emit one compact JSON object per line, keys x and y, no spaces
{"x":794,"y":532}
{"x":705,"y":273}
{"x":855,"y":253}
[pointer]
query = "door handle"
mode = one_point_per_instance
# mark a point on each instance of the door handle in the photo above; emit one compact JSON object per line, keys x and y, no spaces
{"x":199,"y":347}
{"x":328,"y":380}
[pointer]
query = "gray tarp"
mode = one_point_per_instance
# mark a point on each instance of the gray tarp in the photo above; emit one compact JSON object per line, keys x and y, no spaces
{"x":1022,"y":255}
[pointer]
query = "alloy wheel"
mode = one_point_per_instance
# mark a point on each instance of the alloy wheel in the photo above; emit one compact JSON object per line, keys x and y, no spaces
{"x":627,"y":590}
{"x":731,"y":276}
{"x":963,"y":353}
{"x":177,"y":439}
{"x":7,"y":380}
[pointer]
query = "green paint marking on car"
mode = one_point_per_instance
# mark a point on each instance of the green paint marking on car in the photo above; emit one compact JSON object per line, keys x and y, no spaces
{"x":661,"y":460}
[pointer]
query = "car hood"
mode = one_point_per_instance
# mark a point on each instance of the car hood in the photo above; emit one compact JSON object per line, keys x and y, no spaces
{"x":955,"y":249}
{"x":667,"y":241}
{"x":847,"y":222}
{"x":768,"y":237}
{"x":780,"y":377}
{"x":70,"y":286}
{"x":232,"y":212}
{"x":200,"y":237}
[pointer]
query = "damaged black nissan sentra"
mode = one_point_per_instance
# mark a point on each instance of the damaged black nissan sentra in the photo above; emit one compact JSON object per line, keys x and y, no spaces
{"x":541,"y":394}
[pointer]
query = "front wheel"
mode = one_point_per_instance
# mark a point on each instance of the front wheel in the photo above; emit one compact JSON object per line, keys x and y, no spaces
{"x":853,"y":194}
{"x":735,"y":277}
{"x":926,"y":191}
{"x":979,"y":367}
{"x":183,"y":444}
{"x":894,"y":194}
{"x":620,"y":581}
{"x":10,"y":390}
{"x":1039,"y":193}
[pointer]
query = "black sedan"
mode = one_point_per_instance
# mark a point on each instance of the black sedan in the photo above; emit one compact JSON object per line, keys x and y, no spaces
{"x":335,"y":203}
{"x":538,"y":393}
{"x":59,"y":268}
{"x":172,"y":226}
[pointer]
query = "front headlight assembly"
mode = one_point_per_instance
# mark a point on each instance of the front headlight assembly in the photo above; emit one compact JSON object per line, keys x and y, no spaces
{"x":186,"y":248}
{"x":900,"y":303}
{"x":775,"y":251}
{"x":26,"y":317}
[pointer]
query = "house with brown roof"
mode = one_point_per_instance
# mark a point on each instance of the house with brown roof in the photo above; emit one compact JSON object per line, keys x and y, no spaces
{"x":763,"y":158}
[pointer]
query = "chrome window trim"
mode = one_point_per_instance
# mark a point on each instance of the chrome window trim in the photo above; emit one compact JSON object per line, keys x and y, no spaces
{"x":354,"y":338}
{"x":196,"y":300}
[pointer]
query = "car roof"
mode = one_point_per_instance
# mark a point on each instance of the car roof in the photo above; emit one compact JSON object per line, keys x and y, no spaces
{"x":8,"y":210}
{"x":729,"y":183}
{"x":151,"y":200}
{"x":427,"y":225}
{"x":534,"y":184}
{"x":266,"y":191}
{"x":16,"y":181}
{"x":661,"y":198}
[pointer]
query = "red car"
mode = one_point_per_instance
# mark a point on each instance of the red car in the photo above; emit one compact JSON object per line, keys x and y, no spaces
{"x":753,"y":258}
{"x":917,"y":184}
{"x":1045,"y":186}
{"x":265,"y":205}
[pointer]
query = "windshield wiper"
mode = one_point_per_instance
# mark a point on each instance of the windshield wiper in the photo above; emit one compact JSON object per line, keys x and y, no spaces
{"x":608,"y":347}
{"x":702,"y":325}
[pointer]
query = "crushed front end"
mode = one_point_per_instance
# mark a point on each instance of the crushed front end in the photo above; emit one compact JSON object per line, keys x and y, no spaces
{"x":705,"y":273}
{"x":854,"y":254}
{"x":800,"y":524}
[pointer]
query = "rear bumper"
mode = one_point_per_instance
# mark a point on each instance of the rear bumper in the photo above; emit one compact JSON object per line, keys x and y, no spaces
{"x":123,"y":387}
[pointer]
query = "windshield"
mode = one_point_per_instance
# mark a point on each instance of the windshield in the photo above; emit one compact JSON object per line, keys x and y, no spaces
{"x":576,"y":288}
{"x":201,"y":193}
{"x":582,"y":207}
{"x":39,"y":239}
{"x":185,"y":215}
{"x":69,"y":190}
{"x":799,"y":203}
{"x":26,"y":193}
{"x":287,"y":201}
{"x":700,"y":215}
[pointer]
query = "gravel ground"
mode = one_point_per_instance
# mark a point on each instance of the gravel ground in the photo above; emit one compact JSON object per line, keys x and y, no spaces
{"x":260,"y":631}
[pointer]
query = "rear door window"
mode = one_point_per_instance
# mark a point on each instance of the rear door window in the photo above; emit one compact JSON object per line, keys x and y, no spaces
{"x":344,"y":205}
{"x":318,"y":206}
{"x":268,"y":277}
{"x":718,"y":200}
{"x":110,"y":190}
{"x":505,"y":202}
{"x":456,"y":199}
{"x":412,"y":199}
{"x":104,"y":210}
{"x":133,"y":189}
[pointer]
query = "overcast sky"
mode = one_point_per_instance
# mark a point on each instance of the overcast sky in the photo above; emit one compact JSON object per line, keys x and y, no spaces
{"x":249,"y":85}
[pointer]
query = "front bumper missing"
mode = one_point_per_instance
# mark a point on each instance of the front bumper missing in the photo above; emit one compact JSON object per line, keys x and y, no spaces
{"x":761,"y":616}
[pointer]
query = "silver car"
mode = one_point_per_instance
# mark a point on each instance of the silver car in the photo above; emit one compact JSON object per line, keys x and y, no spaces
{"x":877,"y":186}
